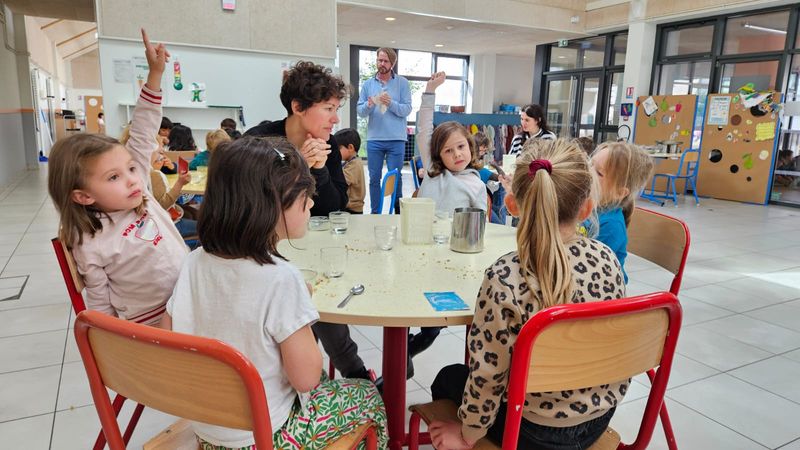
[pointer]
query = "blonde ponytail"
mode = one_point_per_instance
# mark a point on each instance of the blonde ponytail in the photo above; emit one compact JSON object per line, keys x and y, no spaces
{"x":551,"y":182}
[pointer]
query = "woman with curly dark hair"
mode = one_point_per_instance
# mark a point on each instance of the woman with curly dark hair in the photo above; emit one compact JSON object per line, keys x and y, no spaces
{"x":312,"y":95}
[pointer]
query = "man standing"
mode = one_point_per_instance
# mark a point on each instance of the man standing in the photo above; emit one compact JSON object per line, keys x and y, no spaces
{"x":386,"y":100}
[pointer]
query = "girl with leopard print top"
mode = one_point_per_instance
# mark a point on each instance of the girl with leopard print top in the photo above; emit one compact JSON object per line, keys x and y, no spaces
{"x":553,"y":264}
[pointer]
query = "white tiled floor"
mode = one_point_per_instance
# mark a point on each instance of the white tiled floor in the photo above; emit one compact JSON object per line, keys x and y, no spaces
{"x":734,"y":382}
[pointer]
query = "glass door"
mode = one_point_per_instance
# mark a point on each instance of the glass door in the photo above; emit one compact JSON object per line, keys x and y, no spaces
{"x":590,"y":97}
{"x":561,"y":94}
{"x":572,"y":104}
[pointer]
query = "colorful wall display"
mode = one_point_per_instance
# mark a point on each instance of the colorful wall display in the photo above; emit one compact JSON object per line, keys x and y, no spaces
{"x":665,"y":118}
{"x":738,"y":146}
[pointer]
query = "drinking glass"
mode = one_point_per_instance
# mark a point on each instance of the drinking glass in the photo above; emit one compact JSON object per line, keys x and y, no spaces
{"x":339,"y":221}
{"x":385,"y":236}
{"x":334,"y":260}
{"x":441,"y":227}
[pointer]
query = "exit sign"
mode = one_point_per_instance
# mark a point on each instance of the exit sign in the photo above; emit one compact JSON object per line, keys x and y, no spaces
{"x":563,"y":42}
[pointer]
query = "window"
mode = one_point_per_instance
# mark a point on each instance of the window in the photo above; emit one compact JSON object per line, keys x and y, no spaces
{"x":620,"y":49}
{"x":688,"y":41}
{"x":685,"y":78}
{"x":614,"y":98}
{"x":756,"y":33}
{"x":762,"y":74}
{"x":578,"y":55}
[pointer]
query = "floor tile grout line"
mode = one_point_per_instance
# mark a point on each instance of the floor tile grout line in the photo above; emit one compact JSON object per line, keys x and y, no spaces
{"x":60,"y":377}
{"x":30,"y":368}
{"x":38,"y":210}
{"x":715,"y":421}
{"x":790,"y":442}
{"x":23,"y":418}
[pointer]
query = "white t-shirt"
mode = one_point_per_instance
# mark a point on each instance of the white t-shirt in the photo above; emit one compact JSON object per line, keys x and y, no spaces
{"x":251,"y":307}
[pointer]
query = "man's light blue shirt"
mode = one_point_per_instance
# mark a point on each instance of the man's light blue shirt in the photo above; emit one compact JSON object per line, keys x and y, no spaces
{"x":391,"y":125}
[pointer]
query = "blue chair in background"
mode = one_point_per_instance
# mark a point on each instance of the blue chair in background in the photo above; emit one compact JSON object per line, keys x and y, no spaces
{"x":416,"y":164}
{"x":687,"y":170}
{"x":389,"y":188}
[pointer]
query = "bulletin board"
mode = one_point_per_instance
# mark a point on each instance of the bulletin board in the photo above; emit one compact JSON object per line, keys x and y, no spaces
{"x":739,"y":145}
{"x":670,"y":118}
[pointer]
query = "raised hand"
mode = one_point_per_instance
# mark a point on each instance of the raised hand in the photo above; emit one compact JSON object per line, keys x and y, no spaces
{"x":437,"y":79}
{"x":157,"y":57}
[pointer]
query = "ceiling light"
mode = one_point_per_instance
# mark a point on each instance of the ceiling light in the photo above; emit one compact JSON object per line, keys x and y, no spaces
{"x":438,"y":45}
{"x":449,"y":27}
{"x":390,"y":19}
{"x":393,"y":42}
{"x":561,"y":57}
{"x":95,"y":34}
{"x":766,"y":29}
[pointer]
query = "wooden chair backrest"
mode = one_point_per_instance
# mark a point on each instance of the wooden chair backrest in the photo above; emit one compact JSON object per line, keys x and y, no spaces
{"x":592,"y":352}
{"x":192,"y":377}
{"x":389,"y":183}
{"x":660,"y":239}
{"x":73,"y":268}
{"x":173,"y":155}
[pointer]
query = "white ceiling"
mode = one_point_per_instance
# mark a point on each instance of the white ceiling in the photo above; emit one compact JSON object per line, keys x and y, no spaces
{"x":71,"y":37}
{"x":367,"y":26}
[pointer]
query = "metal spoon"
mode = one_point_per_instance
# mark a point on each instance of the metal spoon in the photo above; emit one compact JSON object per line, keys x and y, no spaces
{"x":355,"y":290}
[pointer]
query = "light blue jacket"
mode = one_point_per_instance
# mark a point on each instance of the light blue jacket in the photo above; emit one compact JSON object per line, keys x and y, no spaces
{"x":391,"y":125}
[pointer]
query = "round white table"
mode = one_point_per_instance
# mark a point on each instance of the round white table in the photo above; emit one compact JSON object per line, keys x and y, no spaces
{"x":395,"y":281}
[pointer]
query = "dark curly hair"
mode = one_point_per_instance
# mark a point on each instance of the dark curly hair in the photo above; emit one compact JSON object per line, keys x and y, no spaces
{"x":308,"y":83}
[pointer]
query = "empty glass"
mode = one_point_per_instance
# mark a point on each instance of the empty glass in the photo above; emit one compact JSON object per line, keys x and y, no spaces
{"x":441,"y":227}
{"x":385,"y":236}
{"x":334,"y":260}
{"x":339,"y":221}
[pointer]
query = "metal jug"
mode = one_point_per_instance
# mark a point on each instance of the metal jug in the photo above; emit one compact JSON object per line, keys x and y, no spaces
{"x":469,"y":225}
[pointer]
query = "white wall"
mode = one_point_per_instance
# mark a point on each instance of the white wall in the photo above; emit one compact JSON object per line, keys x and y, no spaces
{"x":85,"y":72}
{"x":240,"y":78}
{"x":513,"y":81}
{"x":15,"y":113}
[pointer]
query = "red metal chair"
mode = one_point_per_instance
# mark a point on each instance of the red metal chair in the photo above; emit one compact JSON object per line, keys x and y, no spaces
{"x":663,"y":240}
{"x":606,"y":341}
{"x":192,"y":377}
{"x":74,"y":283}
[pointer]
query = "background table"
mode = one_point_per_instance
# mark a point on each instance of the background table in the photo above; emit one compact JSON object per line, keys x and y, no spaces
{"x":190,"y":188}
{"x":393,"y":299}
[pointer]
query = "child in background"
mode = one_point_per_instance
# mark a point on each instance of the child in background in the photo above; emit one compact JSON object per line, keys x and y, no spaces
{"x":166,"y":197}
{"x":165,"y":127}
{"x":181,"y":139}
{"x":492,"y":180}
{"x":552,"y":265}
{"x":126,"y":247}
{"x":586,"y":144}
{"x":622,"y":171}
{"x":213,"y":139}
{"x":450,"y":158}
{"x":349,"y":142}
{"x":483,"y":145}
{"x":237,"y":288}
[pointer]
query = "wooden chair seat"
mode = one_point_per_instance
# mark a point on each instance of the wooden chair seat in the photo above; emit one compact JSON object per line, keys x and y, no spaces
{"x":179,"y":436}
{"x":445,"y":410}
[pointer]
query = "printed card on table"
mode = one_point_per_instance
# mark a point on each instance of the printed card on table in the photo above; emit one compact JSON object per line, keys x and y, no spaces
{"x":446,"y":301}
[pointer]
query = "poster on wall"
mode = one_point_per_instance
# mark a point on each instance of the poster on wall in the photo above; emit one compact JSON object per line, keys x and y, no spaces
{"x":719,"y":109}
{"x":123,"y":70}
{"x":140,"y":70}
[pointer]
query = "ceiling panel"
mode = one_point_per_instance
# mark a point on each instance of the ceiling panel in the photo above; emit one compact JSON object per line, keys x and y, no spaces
{"x":58,"y":9}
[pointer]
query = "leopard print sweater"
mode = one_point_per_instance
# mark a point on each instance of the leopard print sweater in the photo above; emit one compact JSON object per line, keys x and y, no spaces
{"x":505,"y":302}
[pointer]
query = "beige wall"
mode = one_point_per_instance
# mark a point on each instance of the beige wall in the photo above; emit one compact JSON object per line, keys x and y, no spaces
{"x":86,"y":71}
{"x":544,"y":14}
{"x":300,"y":27}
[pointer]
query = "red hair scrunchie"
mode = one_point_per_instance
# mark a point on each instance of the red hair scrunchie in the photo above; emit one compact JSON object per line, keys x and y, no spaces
{"x":538,"y":164}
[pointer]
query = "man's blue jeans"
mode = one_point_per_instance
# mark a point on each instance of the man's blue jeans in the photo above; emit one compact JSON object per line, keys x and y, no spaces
{"x":377,"y":152}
